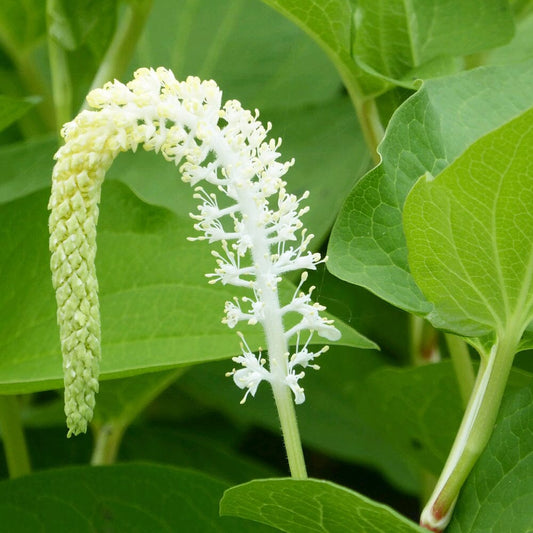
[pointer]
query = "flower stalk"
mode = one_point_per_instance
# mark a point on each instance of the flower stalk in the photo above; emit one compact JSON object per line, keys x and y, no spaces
{"x":252,"y":216}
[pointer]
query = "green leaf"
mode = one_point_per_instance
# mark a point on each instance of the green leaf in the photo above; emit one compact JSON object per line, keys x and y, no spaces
{"x":11,"y":109}
{"x":252,"y":52}
{"x":26,"y":167}
{"x":498,"y":494}
{"x":158,"y":311}
{"x":330,"y":25}
{"x":470,"y":234}
{"x":132,"y":497}
{"x":402,"y":41}
{"x":266,"y":62}
{"x":303,"y":506}
{"x":427,"y":133}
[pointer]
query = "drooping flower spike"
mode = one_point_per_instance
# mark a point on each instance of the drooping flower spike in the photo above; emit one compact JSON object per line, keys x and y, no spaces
{"x":255,"y":219}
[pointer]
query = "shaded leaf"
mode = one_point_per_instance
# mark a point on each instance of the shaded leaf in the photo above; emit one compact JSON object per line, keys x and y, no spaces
{"x":252,"y":52}
{"x":132,"y":497}
{"x":26,"y":167}
{"x":120,"y":401}
{"x":498,"y":494}
{"x":303,"y":506}
{"x":90,"y":22}
{"x":418,"y":410}
{"x":22,"y":24}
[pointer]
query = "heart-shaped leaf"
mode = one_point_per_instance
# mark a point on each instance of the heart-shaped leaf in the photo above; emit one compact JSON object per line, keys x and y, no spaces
{"x":470,"y":235}
{"x":427,"y":133}
{"x":304,"y":506}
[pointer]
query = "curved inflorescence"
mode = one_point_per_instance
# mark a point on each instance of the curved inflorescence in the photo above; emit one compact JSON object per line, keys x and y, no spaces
{"x":256,"y":221}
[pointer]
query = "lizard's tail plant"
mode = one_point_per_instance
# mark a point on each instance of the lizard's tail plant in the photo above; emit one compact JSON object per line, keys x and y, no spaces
{"x":257,"y":223}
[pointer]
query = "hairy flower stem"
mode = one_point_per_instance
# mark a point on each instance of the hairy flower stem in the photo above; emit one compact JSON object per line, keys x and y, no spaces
{"x":278,"y":359}
{"x":289,"y":430}
{"x":474,"y":432}
{"x":17,"y":459}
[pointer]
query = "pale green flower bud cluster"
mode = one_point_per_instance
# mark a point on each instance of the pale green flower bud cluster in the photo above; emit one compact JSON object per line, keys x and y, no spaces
{"x":225,"y":146}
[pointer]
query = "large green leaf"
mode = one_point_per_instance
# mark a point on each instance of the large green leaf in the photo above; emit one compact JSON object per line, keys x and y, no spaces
{"x":252,"y":52}
{"x":426,"y":134}
{"x":470,"y":234}
{"x":498,"y":494}
{"x":26,"y":168}
{"x":402,"y":41}
{"x":158,"y":311}
{"x":132,"y":497}
{"x":304,"y":506}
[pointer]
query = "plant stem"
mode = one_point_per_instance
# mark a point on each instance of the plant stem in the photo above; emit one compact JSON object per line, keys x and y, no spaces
{"x":370,"y":123}
{"x":462,"y":364}
{"x":107,"y":443}
{"x":18,"y":462}
{"x":474,"y":432}
{"x":424,"y":347}
{"x":365,"y":108}
{"x":109,"y":431}
{"x":123,"y":44}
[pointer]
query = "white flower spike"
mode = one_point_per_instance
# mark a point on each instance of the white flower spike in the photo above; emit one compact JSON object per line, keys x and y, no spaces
{"x":250,"y":213}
